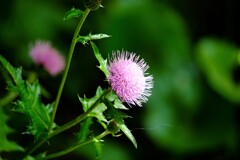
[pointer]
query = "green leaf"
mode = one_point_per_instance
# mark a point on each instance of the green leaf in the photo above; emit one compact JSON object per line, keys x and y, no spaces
{"x":98,"y":146}
{"x":29,"y":158}
{"x":103,"y":63}
{"x":5,"y":144}
{"x":218,"y":59}
{"x":98,"y":36}
{"x":39,"y":114}
{"x":16,"y":74}
{"x":29,"y":102}
{"x":127,"y":132}
{"x":98,"y":111}
{"x":41,"y":156}
{"x":117,"y":102}
{"x":73,"y":13}
{"x":118,"y":116}
{"x":84,"y":39}
{"x":84,"y":129}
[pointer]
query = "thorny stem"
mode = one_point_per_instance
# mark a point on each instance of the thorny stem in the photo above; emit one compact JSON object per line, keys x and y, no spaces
{"x":80,"y":117}
{"x":69,"y":59}
{"x":70,"y":54}
{"x":70,"y":124}
{"x":72,"y":148}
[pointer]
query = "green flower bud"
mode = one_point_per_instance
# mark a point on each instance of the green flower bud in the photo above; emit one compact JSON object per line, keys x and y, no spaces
{"x":112,"y":127}
{"x":92,"y":4}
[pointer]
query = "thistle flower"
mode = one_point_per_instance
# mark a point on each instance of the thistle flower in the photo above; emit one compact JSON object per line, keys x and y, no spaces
{"x":44,"y":54}
{"x":128,"y":78}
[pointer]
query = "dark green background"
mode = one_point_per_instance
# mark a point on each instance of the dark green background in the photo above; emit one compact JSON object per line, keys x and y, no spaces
{"x":191,"y":48}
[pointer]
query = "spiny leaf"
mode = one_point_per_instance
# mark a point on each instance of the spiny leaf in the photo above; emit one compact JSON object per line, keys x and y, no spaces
{"x":29,"y":102}
{"x":118,"y":116}
{"x":5,"y":144}
{"x":84,"y":129}
{"x":116,"y":101}
{"x":98,"y":36}
{"x":16,"y":74}
{"x":103,"y":63}
{"x":85,"y":39}
{"x":98,"y":111}
{"x":38,"y":113}
{"x":98,"y":146}
{"x":73,"y":13}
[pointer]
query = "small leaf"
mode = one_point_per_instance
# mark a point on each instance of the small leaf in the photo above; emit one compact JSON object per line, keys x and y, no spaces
{"x":73,"y":13}
{"x":127,"y":132}
{"x":118,"y":117}
{"x":98,"y":111}
{"x":98,"y":146}
{"x":84,"y":39}
{"x":16,"y":74}
{"x":103,"y":63}
{"x":84,"y":129}
{"x":5,"y":144}
{"x":117,"y":102}
{"x":98,"y":36}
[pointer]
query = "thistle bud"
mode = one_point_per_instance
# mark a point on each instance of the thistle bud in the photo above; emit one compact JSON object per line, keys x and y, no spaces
{"x":92,"y":4}
{"x":112,"y":127}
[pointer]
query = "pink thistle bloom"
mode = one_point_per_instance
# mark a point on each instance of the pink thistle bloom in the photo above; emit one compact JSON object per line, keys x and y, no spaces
{"x":44,"y":54}
{"x":128,"y":78}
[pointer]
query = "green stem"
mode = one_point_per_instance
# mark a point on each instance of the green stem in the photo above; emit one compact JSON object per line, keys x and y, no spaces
{"x":70,"y":149}
{"x":79,"y":118}
{"x":70,"y":54}
{"x":71,"y":123}
{"x":35,"y":146}
{"x":8,"y":98}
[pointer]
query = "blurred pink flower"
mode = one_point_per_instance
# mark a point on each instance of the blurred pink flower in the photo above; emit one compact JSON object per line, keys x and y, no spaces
{"x":128,"y":78}
{"x":44,"y":54}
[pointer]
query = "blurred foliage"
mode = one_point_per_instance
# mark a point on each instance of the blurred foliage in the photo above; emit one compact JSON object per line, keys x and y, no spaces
{"x":193,"y":110}
{"x":219,"y":60}
{"x":5,"y":144}
{"x":29,"y":101}
{"x":25,"y":22}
